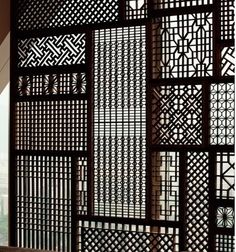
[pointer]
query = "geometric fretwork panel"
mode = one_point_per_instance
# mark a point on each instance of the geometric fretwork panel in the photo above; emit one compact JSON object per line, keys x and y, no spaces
{"x":51,"y":51}
{"x":98,"y":236}
{"x":165,"y":186}
{"x":120,"y":122}
{"x":222,"y":114}
{"x":177,"y":115}
{"x":179,"y":52}
{"x":197,"y":202}
{"x":34,"y":14}
{"x":51,"y":125}
{"x":227,"y":61}
{"x":227,"y":19}
{"x":224,"y":243}
{"x":81,"y":185}
{"x":136,"y":9}
{"x":43,"y":202}
{"x":52,"y":84}
{"x":225,"y":173}
{"x":166,"y":4}
{"x":225,"y":217}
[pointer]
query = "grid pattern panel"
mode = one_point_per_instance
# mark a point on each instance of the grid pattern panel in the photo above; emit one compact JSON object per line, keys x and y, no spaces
{"x":51,"y":125}
{"x":222,"y":114}
{"x":225,"y":172}
{"x":47,"y":84}
{"x":224,"y":243}
{"x":43,"y":202}
{"x":81,"y":186}
{"x":165,"y":186}
{"x":51,"y":51}
{"x":119,"y":122}
{"x":34,"y":14}
{"x":99,"y":236}
{"x":177,"y":115}
{"x":166,"y":4}
{"x":227,"y":19}
{"x":197,"y":199}
{"x":227,"y":61}
{"x":136,"y":9}
{"x":182,"y":46}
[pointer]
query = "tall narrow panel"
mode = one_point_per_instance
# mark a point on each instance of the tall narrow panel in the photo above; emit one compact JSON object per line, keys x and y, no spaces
{"x":34,"y":14}
{"x":108,"y":237}
{"x":197,"y":202}
{"x":51,"y":51}
{"x":120,"y":122}
{"x":177,"y":115}
{"x":166,"y":4}
{"x":225,"y":172}
{"x":222,"y":114}
{"x":165,"y":186}
{"x":51,"y":125}
{"x":182,"y":46}
{"x":43,"y":202}
{"x":227,"y":19}
{"x":136,"y":9}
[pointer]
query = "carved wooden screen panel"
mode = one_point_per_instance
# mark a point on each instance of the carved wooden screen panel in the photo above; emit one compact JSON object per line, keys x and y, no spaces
{"x":122,"y":125}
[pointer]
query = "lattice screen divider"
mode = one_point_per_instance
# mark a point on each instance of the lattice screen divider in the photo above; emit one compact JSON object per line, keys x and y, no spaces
{"x":122,"y":125}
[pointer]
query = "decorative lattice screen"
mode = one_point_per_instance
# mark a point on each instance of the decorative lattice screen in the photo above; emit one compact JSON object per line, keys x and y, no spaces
{"x":122,"y":125}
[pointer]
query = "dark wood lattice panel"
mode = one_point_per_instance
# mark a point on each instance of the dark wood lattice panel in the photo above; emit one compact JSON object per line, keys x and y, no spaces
{"x":225,"y":173}
{"x":51,"y":51}
{"x":43,"y":202}
{"x":34,"y":14}
{"x":98,"y":236}
{"x":51,"y":125}
{"x":119,"y":122}
{"x":224,"y":243}
{"x":166,"y":4}
{"x":227,"y":19}
{"x":225,"y":217}
{"x":177,"y":115}
{"x":197,"y":201}
{"x":227,"y":61}
{"x":165,"y":186}
{"x":136,"y":9}
{"x":222,"y":113}
{"x":182,"y":46}
{"x":52,"y":84}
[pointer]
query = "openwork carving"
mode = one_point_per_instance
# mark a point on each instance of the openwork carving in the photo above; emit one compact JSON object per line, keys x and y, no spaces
{"x":81,"y":187}
{"x":52,"y":84}
{"x":165,"y":186}
{"x":43,"y":202}
{"x":227,"y":19}
{"x":51,"y":125}
{"x":34,"y":14}
{"x":119,"y":122}
{"x":177,"y":115}
{"x":197,"y":202}
{"x":225,"y":217}
{"x":166,"y":4}
{"x":227,"y":61}
{"x":50,"y":51}
{"x":224,"y":243}
{"x":222,"y":113}
{"x":225,"y":173}
{"x":98,"y":236}
{"x":136,"y":9}
{"x":179,"y":52}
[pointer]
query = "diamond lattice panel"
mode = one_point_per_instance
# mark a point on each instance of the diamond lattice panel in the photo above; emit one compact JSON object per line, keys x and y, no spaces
{"x":179,"y":52}
{"x":120,"y":122}
{"x":177,"y":115}
{"x":197,"y":202}
{"x":34,"y":14}
{"x":51,"y":51}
